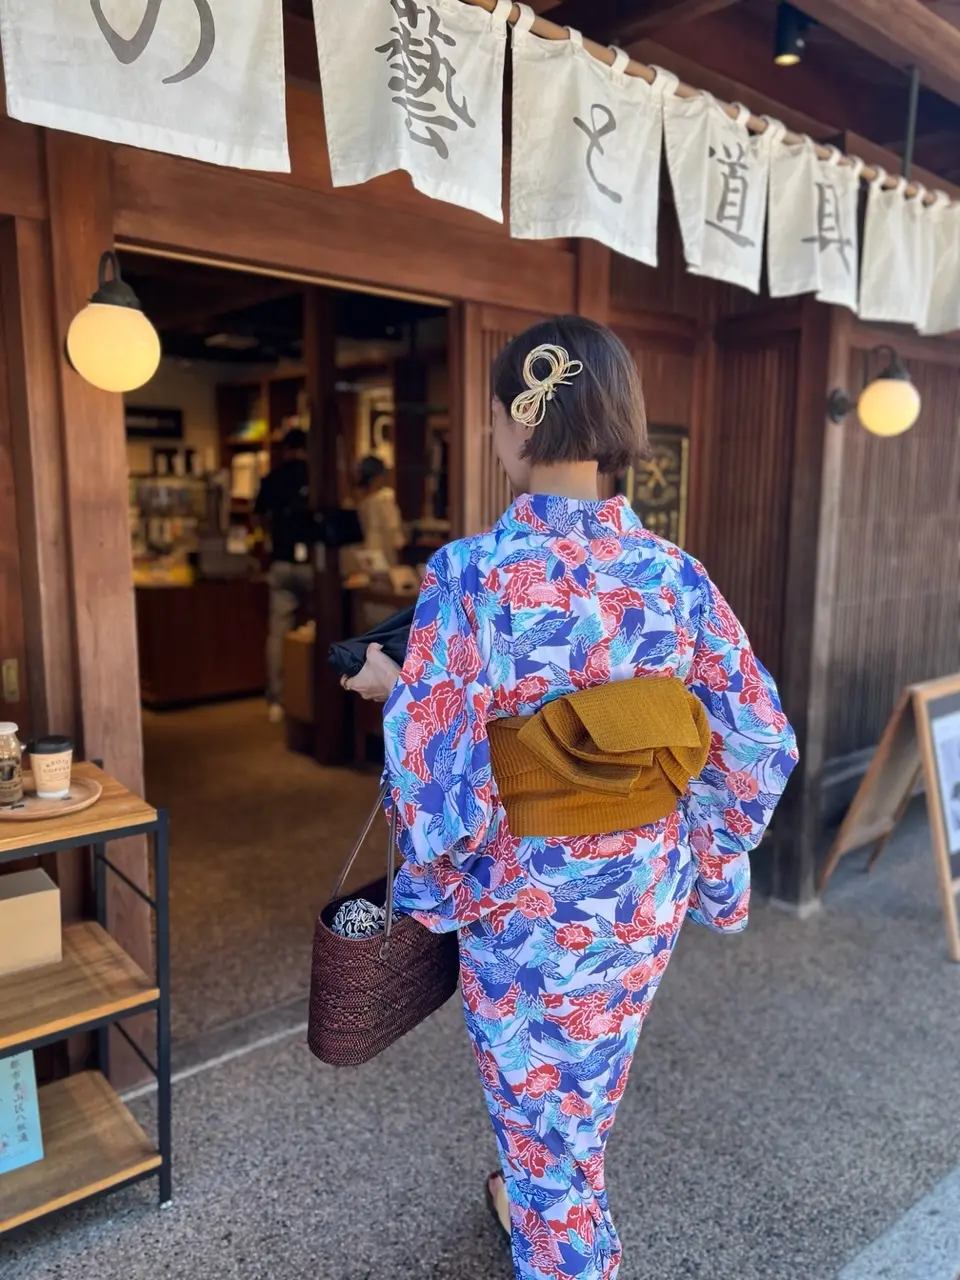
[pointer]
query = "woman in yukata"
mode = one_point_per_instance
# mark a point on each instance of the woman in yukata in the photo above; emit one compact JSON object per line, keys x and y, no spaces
{"x":584,"y":750}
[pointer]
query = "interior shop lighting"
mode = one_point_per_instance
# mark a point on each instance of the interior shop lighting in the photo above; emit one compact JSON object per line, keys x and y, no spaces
{"x":888,"y":406}
{"x":111,"y":343}
{"x":790,"y":41}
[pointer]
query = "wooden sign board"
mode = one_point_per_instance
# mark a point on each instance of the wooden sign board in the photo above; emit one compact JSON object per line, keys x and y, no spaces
{"x":921,"y":741}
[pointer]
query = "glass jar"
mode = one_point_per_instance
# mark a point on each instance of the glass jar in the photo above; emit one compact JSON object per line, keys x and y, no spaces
{"x":11,"y":765}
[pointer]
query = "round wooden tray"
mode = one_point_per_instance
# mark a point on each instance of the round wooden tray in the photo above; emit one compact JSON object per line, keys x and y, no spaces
{"x":84,"y":792}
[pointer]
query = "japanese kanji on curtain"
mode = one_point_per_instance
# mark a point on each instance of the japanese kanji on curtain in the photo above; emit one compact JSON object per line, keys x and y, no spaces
{"x":812,"y":242}
{"x":587,"y":140}
{"x":197,"y":78}
{"x":719,"y":172}
{"x":416,"y":86}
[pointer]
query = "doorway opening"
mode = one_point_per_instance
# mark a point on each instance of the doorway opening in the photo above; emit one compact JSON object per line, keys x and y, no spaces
{"x":270,"y":395}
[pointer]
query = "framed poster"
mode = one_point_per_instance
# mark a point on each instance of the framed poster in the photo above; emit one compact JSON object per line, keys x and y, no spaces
{"x":946,"y":745}
{"x":657,"y":488}
{"x":145,"y":423}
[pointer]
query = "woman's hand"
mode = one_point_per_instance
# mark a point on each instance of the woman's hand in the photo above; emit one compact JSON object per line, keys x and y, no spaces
{"x":377,"y":678}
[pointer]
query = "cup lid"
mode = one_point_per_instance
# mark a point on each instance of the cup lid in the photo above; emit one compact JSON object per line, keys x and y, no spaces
{"x":7,"y":727}
{"x":52,"y":745}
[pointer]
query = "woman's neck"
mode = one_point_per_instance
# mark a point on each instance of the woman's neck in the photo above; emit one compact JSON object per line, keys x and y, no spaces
{"x":576,"y":480}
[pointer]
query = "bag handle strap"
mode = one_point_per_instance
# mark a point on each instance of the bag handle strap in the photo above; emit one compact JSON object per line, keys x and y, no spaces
{"x":391,"y":857}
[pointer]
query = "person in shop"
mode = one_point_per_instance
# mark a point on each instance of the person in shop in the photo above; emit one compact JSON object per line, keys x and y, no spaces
{"x":283,"y":509}
{"x":380,"y":517}
{"x":583,"y":750}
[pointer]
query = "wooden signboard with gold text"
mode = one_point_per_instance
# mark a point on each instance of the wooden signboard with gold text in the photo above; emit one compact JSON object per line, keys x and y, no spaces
{"x":921,"y":741}
{"x":657,"y":488}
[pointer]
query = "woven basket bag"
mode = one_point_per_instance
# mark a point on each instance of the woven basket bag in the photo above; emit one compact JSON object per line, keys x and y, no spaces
{"x":365,"y":993}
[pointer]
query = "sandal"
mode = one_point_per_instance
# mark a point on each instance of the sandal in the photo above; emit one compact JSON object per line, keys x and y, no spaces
{"x":498,"y":1207}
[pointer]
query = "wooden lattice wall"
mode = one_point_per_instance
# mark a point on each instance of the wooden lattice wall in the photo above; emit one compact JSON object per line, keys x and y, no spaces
{"x":896,"y":616}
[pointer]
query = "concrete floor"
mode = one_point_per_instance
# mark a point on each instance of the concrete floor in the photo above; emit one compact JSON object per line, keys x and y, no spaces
{"x":794,"y":1094}
{"x":257,"y":837}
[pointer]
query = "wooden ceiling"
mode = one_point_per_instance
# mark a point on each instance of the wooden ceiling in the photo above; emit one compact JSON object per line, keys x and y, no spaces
{"x":726,"y":47}
{"x":192,"y":303}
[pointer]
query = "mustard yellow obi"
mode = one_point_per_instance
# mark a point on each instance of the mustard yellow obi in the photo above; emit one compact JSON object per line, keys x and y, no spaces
{"x":612,"y":758}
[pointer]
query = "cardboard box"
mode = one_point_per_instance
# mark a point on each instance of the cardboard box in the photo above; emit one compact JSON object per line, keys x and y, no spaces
{"x":298,"y":675}
{"x":29,"y":921}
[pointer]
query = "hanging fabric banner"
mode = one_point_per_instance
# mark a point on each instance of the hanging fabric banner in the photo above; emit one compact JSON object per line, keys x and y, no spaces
{"x":793,"y":252}
{"x":812,"y":225}
{"x":837,"y":237}
{"x":943,"y":305}
{"x":196,"y":78}
{"x":719,"y":172}
{"x":417,"y":87}
{"x":890,"y":284}
{"x":928,"y":217}
{"x":587,"y":141}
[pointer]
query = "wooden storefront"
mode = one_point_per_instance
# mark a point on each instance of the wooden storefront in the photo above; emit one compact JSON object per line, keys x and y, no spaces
{"x":838,"y":550}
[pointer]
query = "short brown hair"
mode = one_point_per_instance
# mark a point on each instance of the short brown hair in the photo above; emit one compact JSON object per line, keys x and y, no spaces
{"x":599,"y":417}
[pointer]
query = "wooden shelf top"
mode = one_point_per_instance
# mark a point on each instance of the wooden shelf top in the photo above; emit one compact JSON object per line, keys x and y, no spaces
{"x":95,"y":979}
{"x":117,"y":808}
{"x":91,"y":1143}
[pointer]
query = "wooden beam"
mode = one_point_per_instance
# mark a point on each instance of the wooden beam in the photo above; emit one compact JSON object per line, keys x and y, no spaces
{"x":624,"y":20}
{"x":905,"y":34}
{"x":204,"y":210}
{"x":735,"y":45}
{"x":874,"y":154}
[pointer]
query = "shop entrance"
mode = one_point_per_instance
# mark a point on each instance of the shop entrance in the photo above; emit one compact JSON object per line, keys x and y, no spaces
{"x":287,"y":428}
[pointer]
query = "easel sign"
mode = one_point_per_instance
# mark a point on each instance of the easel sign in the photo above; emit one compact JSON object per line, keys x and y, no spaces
{"x":921,"y":741}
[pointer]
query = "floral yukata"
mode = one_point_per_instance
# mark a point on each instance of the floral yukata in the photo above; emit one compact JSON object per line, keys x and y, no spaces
{"x":564,"y":942}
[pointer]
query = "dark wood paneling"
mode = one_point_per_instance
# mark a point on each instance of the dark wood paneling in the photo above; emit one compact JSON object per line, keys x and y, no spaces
{"x":897,"y":603}
{"x":201,"y":642}
{"x":748,"y":522}
{"x":483,"y":482}
{"x":670,"y":289}
{"x":22,"y":190}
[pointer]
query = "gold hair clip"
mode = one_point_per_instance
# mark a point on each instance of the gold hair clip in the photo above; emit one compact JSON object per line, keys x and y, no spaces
{"x":530,"y":406}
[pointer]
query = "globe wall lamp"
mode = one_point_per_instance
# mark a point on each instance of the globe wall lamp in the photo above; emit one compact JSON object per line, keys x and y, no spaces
{"x":887,"y":406}
{"x":111,"y":343}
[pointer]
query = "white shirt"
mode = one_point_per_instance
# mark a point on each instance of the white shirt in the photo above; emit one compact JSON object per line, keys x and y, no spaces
{"x":381,"y":522}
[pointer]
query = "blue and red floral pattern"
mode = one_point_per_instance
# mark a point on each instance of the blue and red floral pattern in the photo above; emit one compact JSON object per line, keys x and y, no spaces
{"x":564,"y":942}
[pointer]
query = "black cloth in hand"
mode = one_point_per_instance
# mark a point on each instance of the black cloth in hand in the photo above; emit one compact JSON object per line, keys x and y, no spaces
{"x":393,"y":635}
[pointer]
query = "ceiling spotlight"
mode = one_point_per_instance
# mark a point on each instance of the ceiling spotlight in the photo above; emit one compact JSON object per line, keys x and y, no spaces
{"x":790,"y":41}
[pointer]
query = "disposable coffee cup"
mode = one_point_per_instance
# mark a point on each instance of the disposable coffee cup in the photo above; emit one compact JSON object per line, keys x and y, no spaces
{"x":51,"y":760}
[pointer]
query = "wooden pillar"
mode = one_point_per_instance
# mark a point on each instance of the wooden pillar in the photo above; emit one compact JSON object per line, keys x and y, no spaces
{"x":411,"y":392}
{"x":320,"y":348}
{"x":26,"y":303}
{"x":808,"y":614}
{"x":79,"y":182}
{"x":27,"y":306}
